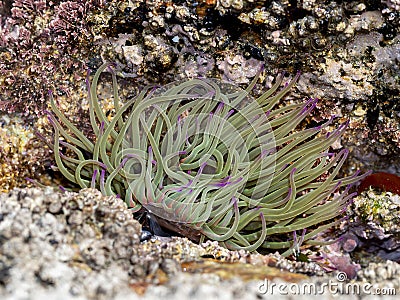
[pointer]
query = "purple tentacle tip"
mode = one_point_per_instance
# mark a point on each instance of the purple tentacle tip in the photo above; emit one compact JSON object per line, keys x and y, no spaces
{"x":93,"y":183}
{"x":109,"y":69}
{"x":345,"y":151}
{"x":222,"y":183}
{"x":230,"y":113}
{"x":356,"y":173}
{"x":284,"y":167}
{"x":51,"y":120}
{"x":203,"y":165}
{"x":123,"y":162}
{"x":235,"y":202}
{"x":30,"y":180}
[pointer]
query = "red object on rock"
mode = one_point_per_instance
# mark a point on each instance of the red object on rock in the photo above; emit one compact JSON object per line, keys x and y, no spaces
{"x":381,"y":180}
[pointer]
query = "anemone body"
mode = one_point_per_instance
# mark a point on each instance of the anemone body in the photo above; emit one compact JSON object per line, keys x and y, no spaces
{"x":206,"y":156}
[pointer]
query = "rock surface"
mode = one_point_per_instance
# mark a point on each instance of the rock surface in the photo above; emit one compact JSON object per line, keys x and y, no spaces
{"x":87,"y":246}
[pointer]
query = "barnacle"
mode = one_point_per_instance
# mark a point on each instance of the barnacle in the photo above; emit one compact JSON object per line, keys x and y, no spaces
{"x":205,"y":156}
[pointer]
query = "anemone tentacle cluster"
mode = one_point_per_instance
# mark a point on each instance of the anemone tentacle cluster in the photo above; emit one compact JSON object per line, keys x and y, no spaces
{"x":206,"y":155}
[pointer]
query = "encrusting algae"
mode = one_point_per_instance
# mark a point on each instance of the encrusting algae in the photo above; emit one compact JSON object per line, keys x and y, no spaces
{"x":18,"y":153}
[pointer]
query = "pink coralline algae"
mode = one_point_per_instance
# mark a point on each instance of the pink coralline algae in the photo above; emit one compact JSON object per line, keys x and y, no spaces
{"x":62,"y":26}
{"x":41,"y":45}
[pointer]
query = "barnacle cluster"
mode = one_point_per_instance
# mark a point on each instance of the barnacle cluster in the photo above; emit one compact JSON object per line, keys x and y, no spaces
{"x":205,"y":156}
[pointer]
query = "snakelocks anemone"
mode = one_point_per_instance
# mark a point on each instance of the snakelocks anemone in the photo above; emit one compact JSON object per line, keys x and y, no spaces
{"x":209,"y":160}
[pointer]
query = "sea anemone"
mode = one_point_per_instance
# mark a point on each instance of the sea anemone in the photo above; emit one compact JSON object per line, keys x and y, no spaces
{"x":210,"y":161}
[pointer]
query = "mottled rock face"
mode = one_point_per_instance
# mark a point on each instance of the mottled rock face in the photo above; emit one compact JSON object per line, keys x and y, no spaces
{"x":51,"y":239}
{"x":375,"y":227}
{"x":86,"y":246}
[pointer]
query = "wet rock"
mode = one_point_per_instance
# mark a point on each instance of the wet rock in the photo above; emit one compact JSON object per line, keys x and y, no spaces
{"x":44,"y":254}
{"x":375,"y":224}
{"x":54,"y":241}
